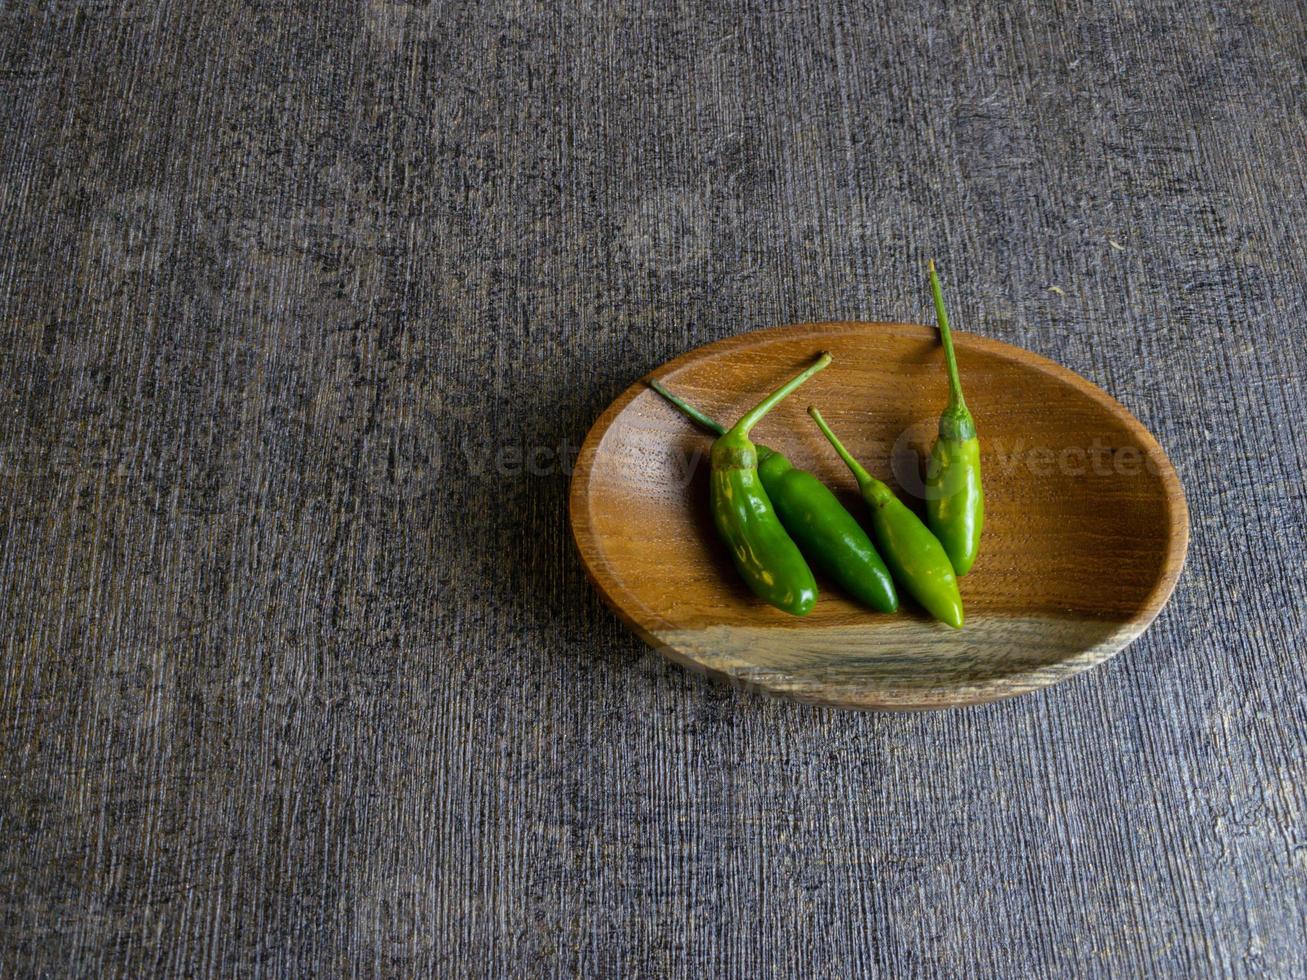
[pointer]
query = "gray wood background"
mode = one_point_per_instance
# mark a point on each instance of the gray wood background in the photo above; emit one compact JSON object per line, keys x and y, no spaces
{"x":304,"y":308}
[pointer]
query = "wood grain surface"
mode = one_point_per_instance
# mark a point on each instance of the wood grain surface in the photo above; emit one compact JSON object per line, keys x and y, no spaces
{"x":1086,"y":521}
{"x":304,"y":311}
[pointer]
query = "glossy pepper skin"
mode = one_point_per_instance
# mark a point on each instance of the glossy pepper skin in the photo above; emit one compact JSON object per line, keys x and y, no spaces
{"x":767,"y":558}
{"x":955,"y":499}
{"x":913,"y":553}
{"x":826,"y":533}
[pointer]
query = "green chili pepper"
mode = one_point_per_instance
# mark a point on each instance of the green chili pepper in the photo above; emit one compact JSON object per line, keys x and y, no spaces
{"x":825,"y":532}
{"x":955,"y":500}
{"x":767,"y":559}
{"x":914,"y":555}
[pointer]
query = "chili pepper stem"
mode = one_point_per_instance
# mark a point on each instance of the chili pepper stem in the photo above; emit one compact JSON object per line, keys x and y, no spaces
{"x":865,"y":480}
{"x":754,"y":415}
{"x":712,"y":425}
{"x":956,"y":401}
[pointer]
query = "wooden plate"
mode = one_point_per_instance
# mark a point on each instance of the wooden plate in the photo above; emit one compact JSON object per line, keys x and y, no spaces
{"x":1086,"y":525}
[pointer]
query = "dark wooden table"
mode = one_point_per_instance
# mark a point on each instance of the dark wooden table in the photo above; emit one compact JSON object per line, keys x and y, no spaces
{"x":304,"y":310}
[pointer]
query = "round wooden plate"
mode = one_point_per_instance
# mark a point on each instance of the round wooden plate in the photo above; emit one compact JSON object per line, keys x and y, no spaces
{"x":1086,"y":522}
